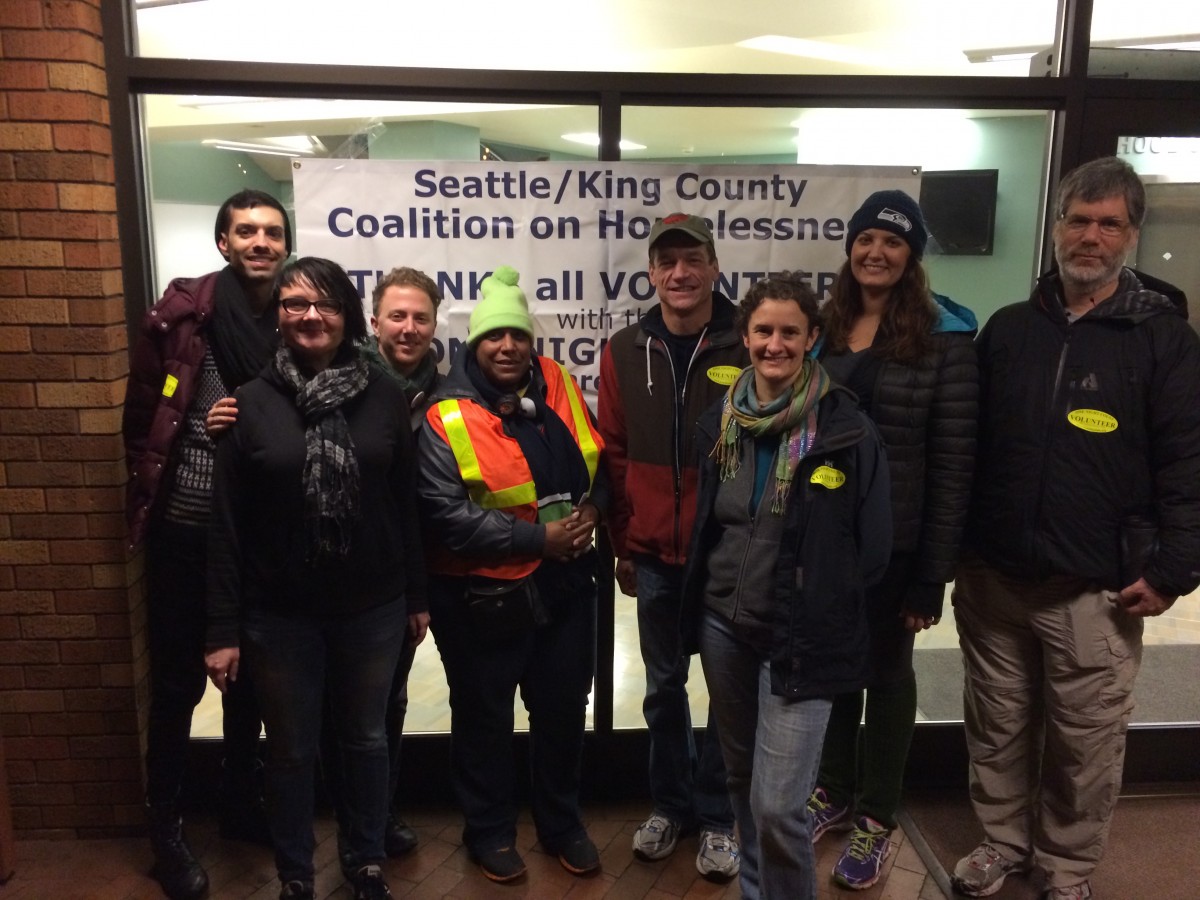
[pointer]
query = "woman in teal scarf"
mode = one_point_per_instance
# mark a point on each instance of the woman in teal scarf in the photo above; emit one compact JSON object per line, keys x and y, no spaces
{"x":793,"y":522}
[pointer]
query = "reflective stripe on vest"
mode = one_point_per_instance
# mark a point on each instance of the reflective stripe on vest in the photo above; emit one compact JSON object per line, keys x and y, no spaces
{"x":580,"y":424}
{"x":468,"y":465}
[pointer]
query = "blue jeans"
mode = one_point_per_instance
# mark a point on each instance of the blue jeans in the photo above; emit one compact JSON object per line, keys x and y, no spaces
{"x":687,"y":782}
{"x":296,"y":658}
{"x":772,"y":747}
{"x":397,"y":709}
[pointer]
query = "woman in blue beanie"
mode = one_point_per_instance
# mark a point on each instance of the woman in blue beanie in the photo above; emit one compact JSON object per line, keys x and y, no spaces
{"x":909,"y":356}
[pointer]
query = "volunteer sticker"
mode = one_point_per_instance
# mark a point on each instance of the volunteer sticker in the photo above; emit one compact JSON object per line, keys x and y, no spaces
{"x":1092,"y":420}
{"x":169,"y":386}
{"x":723,"y":374}
{"x":828,"y":477}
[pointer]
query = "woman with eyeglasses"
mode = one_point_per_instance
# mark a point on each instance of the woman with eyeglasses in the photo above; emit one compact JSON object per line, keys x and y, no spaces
{"x":316,"y":569}
{"x":909,"y":356}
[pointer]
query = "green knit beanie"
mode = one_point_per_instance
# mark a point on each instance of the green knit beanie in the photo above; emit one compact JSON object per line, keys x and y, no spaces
{"x":503,"y":306}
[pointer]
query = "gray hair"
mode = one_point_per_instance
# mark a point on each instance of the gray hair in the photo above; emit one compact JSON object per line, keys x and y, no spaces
{"x":1103,"y":178}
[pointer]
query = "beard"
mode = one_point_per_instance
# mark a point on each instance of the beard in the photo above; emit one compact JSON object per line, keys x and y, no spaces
{"x":1087,"y":276}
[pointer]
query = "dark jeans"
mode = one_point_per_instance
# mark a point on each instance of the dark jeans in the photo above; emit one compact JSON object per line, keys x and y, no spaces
{"x":553,"y":665}
{"x":687,"y":783}
{"x":296,"y":660}
{"x":397,"y":709}
{"x":863,"y":768}
{"x":176,"y":557}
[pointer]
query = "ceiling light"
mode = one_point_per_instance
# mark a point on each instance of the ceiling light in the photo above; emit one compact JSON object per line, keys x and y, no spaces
{"x":292,"y":146}
{"x":593,"y":140}
{"x":777,"y":43}
{"x":1160,"y":42}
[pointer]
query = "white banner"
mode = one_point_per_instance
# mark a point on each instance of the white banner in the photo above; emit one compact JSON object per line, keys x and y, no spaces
{"x":575,"y":231}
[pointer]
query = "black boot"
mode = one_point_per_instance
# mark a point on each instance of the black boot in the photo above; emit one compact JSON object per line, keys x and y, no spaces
{"x":243,"y":815}
{"x":181,"y":877}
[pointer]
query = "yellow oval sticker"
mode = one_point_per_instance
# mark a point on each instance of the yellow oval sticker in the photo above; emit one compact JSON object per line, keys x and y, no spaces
{"x":1093,"y":420}
{"x":723,"y":374}
{"x":828,"y":477}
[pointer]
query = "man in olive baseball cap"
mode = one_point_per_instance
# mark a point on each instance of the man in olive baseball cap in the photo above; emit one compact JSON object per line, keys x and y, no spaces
{"x":656,"y":376}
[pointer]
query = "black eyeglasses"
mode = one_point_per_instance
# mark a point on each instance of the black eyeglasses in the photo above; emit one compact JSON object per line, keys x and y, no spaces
{"x":298,"y":306}
{"x":1109,"y":227}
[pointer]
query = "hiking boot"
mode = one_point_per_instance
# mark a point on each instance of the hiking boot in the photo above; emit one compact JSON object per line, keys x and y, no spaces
{"x":719,"y":857}
{"x":501,"y":865}
{"x":824,"y":816}
{"x":368,"y":884}
{"x":656,"y":838}
{"x":175,"y":869}
{"x":1081,"y":891}
{"x":862,"y":861}
{"x":982,"y":872}
{"x":580,"y":857}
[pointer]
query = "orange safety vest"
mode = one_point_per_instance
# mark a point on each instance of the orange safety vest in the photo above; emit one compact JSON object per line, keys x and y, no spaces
{"x":495,"y":471}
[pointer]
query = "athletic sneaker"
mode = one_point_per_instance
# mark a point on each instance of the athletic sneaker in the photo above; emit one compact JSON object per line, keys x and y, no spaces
{"x":368,"y":884}
{"x":656,"y":838}
{"x":719,"y":858}
{"x":824,"y":816}
{"x":1081,"y":891}
{"x":982,"y":872}
{"x":861,"y":862}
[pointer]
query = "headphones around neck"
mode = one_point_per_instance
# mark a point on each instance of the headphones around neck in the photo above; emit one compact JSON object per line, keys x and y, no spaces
{"x":509,"y":405}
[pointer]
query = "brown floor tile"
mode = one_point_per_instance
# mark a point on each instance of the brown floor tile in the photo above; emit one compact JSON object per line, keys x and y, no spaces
{"x":118,"y":869}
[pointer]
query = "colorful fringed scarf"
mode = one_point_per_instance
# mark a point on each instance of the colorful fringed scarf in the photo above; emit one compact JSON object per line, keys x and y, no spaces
{"x":793,"y":416}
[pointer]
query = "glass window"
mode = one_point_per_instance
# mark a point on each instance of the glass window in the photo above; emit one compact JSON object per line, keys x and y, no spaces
{"x":200,"y":150}
{"x":1156,"y":39}
{"x":1010,"y":143}
{"x":923,"y":37}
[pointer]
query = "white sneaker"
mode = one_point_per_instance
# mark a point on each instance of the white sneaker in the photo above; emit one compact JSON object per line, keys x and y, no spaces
{"x":719,"y":857}
{"x":982,"y":872}
{"x":656,"y":838}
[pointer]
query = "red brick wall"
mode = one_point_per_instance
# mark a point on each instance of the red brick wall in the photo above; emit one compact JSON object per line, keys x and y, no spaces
{"x":71,"y":651}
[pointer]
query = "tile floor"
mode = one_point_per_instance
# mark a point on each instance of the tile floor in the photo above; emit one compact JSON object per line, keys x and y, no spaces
{"x":116,"y":869}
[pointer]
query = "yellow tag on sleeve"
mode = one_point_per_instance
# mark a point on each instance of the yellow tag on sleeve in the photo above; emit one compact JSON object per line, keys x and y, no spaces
{"x":169,"y":386}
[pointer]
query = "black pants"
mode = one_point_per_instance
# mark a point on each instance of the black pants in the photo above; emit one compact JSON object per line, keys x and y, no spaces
{"x":553,"y":665}
{"x":176,"y":556}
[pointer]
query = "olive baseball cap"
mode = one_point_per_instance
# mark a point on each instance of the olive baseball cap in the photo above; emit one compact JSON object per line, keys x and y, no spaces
{"x":693,"y":226}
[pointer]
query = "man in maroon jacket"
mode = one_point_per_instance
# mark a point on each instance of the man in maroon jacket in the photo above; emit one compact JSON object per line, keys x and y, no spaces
{"x":656,"y":377}
{"x":203,"y":339}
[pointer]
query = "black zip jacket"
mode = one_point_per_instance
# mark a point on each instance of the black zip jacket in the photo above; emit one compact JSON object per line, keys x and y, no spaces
{"x":257,"y":539}
{"x":836,"y":541}
{"x":1087,"y":426}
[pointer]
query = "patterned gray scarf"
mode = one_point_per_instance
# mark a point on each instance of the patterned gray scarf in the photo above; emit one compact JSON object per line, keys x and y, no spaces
{"x":330,"y":475}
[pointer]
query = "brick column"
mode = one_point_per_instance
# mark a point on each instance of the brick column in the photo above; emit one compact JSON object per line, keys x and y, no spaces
{"x":71,"y":651}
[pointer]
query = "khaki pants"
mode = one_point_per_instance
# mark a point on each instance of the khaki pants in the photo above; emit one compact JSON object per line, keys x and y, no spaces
{"x":1050,"y":668}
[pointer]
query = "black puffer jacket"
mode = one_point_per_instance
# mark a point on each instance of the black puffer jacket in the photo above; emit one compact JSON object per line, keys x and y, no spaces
{"x":927,"y":416}
{"x":1084,"y":426}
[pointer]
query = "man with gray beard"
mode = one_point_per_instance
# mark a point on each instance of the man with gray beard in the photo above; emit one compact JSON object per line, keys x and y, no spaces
{"x":1085,"y":519}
